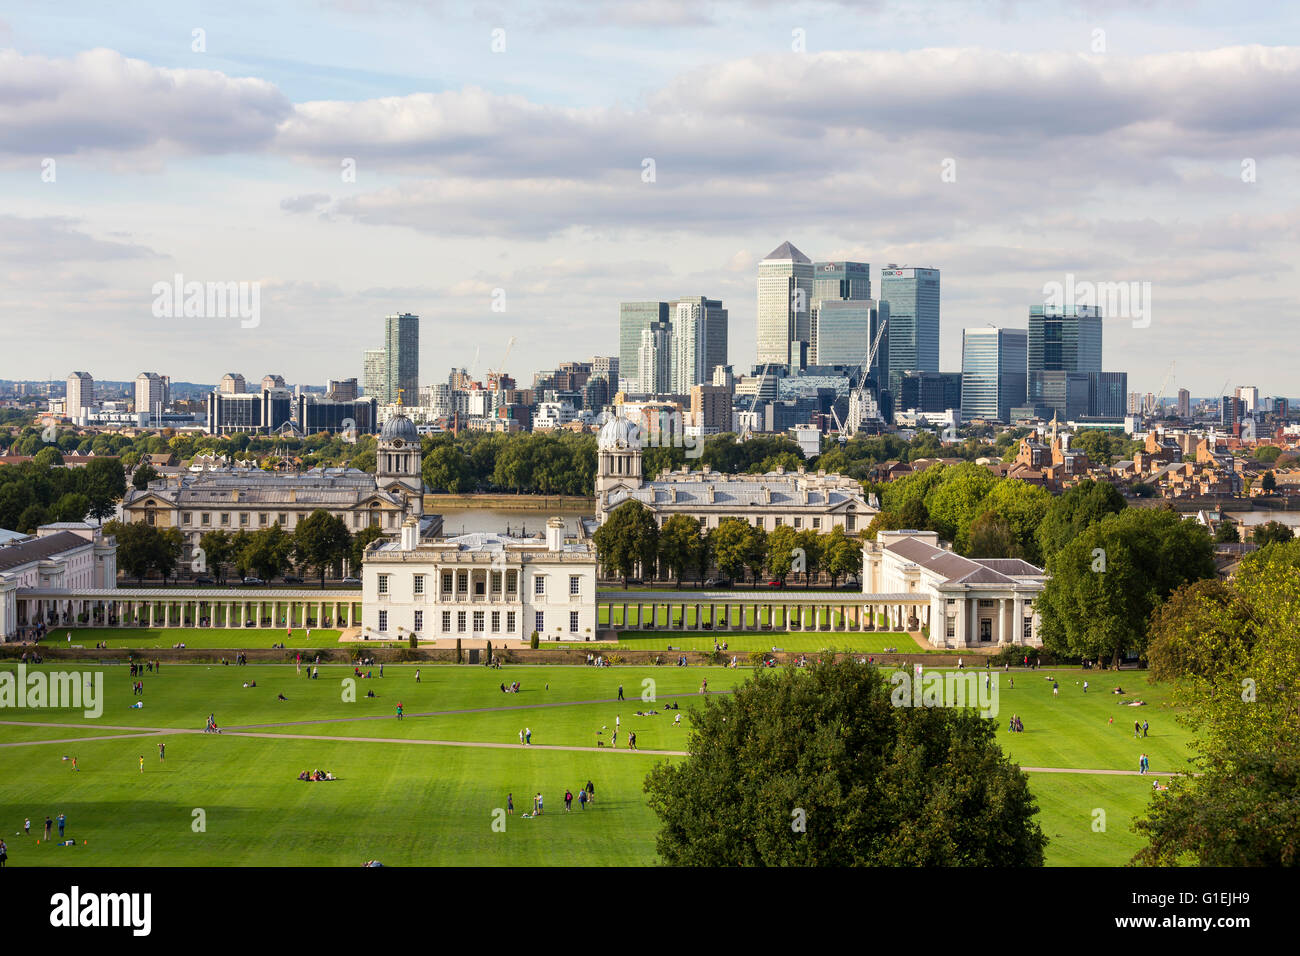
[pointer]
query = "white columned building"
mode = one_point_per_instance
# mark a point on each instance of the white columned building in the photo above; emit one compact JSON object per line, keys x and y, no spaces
{"x":973,"y":602}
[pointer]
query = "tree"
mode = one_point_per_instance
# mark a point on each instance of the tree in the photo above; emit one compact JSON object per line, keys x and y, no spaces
{"x":817,"y":767}
{"x":1272,"y":532}
{"x":1238,"y":689}
{"x":809,"y":543}
{"x":704,"y":555}
{"x":991,"y":536}
{"x":1104,"y":585}
{"x":781,"y":544}
{"x":629,"y":538}
{"x":321,"y":541}
{"x":958,"y":500}
{"x":756,"y":552}
{"x":1226,"y":532}
{"x":731,"y":544}
{"x":447,"y":469}
{"x":678,"y":540}
{"x":168,"y":545}
{"x":143,"y":475}
{"x":105,"y":484}
{"x":1023,"y":507}
{"x":841,"y":554}
{"x":1268,"y":454}
{"x":218,"y":549}
{"x":1268,"y":482}
{"x":1080,"y":506}
{"x":72,"y":506}
{"x":360,"y":541}
{"x":48,"y":457}
{"x":134,"y":552}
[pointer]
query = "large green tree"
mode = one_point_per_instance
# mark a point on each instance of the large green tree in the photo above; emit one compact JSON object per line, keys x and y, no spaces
{"x":628,"y":539}
{"x":1231,"y":653}
{"x":1104,"y":585}
{"x":1078,"y":507}
{"x":731,"y":546}
{"x":320,"y":541}
{"x":678,"y":541}
{"x":817,"y":767}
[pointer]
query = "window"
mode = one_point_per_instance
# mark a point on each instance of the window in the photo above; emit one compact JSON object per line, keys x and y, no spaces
{"x":510,"y":621}
{"x":419,"y":584}
{"x":777,"y":522}
{"x":496,"y":582}
{"x":279,"y":519}
{"x":460,"y":621}
{"x":951,"y":629}
{"x":575,"y":584}
{"x":419,"y":621}
{"x":986,"y":602}
{"x":480,"y":587}
{"x":446,"y":622}
{"x":1028,"y":630}
{"x":478,"y":621}
{"x":225,"y":517}
{"x":573,"y":621}
{"x":512,"y":582}
{"x":496,"y":622}
{"x":817,"y":522}
{"x":383,"y":621}
{"x":539,"y":584}
{"x":383,"y":584}
{"x":243,"y":517}
{"x":446,"y":582}
{"x":205,"y":519}
{"x":850,"y":522}
{"x":539,"y":622}
{"x":798,"y":522}
{"x":185,"y":517}
{"x":462,"y":582}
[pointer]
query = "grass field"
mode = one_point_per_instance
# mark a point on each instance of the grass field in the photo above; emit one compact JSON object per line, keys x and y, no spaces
{"x":795,"y":641}
{"x":200,"y":637}
{"x":404,"y":800}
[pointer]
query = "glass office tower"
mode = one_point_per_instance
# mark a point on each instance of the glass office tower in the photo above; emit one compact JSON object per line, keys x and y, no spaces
{"x":993,"y":378}
{"x":402,"y":358}
{"x":785,"y":294}
{"x":913,"y":297}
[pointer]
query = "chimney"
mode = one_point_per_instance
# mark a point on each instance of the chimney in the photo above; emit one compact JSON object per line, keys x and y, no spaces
{"x":410,"y":534}
{"x":555,"y":534}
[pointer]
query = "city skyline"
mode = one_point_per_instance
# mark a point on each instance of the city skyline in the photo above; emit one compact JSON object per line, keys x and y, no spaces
{"x":568,"y":199}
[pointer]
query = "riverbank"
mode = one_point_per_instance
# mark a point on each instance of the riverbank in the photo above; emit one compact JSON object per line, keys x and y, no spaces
{"x":558,"y":503}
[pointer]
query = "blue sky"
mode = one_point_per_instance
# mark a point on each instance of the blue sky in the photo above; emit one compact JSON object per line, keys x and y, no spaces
{"x":521,"y":170}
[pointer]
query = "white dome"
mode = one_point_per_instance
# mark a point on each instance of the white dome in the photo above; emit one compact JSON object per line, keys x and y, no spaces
{"x":618,"y":434}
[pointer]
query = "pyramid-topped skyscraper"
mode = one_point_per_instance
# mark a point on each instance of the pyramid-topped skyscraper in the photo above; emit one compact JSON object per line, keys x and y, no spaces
{"x":785,"y":290}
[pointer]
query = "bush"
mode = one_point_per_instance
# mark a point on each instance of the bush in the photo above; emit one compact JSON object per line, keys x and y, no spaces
{"x":459,"y":656}
{"x":533,"y":642}
{"x":412,"y":642}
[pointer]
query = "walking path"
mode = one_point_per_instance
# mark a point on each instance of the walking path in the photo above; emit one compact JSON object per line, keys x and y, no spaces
{"x":254,"y":730}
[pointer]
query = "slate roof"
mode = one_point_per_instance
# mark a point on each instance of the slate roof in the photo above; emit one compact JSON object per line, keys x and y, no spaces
{"x":783,"y":493}
{"x":25,"y":552}
{"x":959,"y":570}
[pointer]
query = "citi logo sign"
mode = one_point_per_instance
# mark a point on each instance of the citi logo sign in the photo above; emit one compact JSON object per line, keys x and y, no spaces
{"x":75,"y":909}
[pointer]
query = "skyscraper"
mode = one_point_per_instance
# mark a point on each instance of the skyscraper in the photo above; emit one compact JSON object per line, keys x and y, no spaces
{"x":913,"y":297}
{"x":1064,"y":339}
{"x":402,"y":359}
{"x":1184,"y":403}
{"x":993,"y":377}
{"x":80,"y":394}
{"x":633,"y":319}
{"x":374,"y":376}
{"x":654,"y":360}
{"x":151,"y":395}
{"x":785,"y":292}
{"x":844,"y":333}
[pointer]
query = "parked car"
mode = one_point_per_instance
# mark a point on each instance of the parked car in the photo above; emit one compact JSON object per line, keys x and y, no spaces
{"x":777,"y":583}
{"x":351,"y":581}
{"x":252,"y":580}
{"x":204,"y":579}
{"x":292,"y":579}
{"x":717,"y":583}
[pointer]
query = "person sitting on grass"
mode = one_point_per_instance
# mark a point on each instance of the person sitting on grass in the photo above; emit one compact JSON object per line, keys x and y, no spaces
{"x":281,"y":697}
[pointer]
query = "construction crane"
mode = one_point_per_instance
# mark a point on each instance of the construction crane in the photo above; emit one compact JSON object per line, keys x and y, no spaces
{"x":1160,"y":397}
{"x":744,"y":428}
{"x":501,"y":369}
{"x":859,"y":402}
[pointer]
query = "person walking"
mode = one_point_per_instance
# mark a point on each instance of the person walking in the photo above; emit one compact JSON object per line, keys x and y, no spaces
{"x":49,"y":825}
{"x":510,"y":804}
{"x":568,"y":801}
{"x":528,"y":736}
{"x":1085,"y":687}
{"x":162,"y":752}
{"x":591,"y":792}
{"x":4,"y":854}
{"x":142,"y":763}
{"x":582,"y":799}
{"x":27,"y":826}
{"x":399,"y":710}
{"x":1145,"y":727}
{"x":417,"y":675}
{"x":620,"y":691}
{"x":63,"y":821}
{"x":1137,"y":730}
{"x":631,"y":741}
{"x":521,"y":736}
{"x":1056,"y":689}
{"x":74,"y":763}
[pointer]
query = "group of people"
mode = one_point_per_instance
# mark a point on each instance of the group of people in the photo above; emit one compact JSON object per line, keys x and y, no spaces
{"x":137,"y":688}
{"x":212,"y":727}
{"x":138,"y":669}
{"x":585,"y":796}
{"x":316,"y":776}
{"x":512,"y":688}
{"x":596,"y":660}
{"x":1017,"y":725}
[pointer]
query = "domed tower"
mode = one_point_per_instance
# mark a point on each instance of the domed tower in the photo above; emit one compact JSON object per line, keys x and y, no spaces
{"x":398,"y":462}
{"x":619,"y":458}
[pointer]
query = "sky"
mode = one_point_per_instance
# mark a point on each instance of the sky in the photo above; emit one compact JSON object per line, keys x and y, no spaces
{"x":515,"y":170}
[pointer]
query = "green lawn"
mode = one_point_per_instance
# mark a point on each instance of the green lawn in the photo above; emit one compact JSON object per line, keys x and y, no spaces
{"x":743,"y":643}
{"x":202,"y":637}
{"x":406,"y":802}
